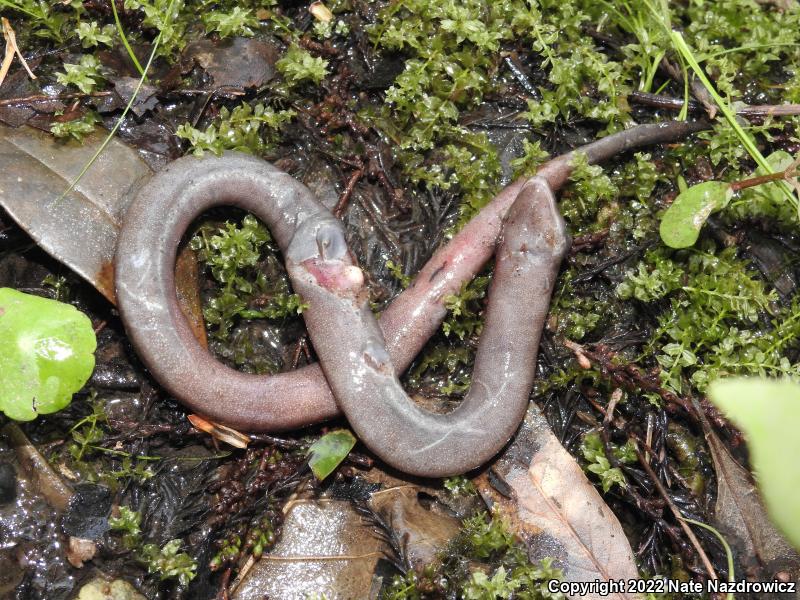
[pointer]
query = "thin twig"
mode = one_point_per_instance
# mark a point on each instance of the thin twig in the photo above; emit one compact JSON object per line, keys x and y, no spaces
{"x":11,"y":42}
{"x":45,"y":98}
{"x":758,"y":110}
{"x":344,"y":199}
{"x":680,"y":518}
{"x":628,"y":376}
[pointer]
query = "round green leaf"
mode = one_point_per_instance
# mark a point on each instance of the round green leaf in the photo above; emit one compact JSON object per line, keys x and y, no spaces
{"x":768,"y":411}
{"x":328,"y":451}
{"x":682,"y":222}
{"x":46,"y":354}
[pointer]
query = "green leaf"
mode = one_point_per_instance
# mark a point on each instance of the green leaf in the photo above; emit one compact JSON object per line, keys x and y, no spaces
{"x":768,"y":411}
{"x":682,"y":222}
{"x":328,"y":451}
{"x":47,"y":354}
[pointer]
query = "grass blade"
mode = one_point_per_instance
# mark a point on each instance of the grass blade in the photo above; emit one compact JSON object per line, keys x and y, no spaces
{"x":117,"y":125}
{"x":124,"y":38}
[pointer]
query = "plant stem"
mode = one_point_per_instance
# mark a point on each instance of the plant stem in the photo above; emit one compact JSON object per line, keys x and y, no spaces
{"x":688,"y":56}
{"x":754,"y":181}
{"x":124,"y":38}
{"x":117,"y":125}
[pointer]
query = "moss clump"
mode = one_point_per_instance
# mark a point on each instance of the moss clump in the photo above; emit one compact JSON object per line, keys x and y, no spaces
{"x":251,"y":129}
{"x":598,"y":463}
{"x":165,"y":561}
{"x":252,"y":283}
{"x":485,"y":562}
{"x":722,"y":319}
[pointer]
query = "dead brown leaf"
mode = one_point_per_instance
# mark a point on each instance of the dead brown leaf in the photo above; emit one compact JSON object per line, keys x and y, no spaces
{"x":236,"y":63}
{"x":422,"y":531}
{"x":551,"y":504}
{"x":326,"y":548}
{"x":80,"y":229}
{"x":740,"y":515}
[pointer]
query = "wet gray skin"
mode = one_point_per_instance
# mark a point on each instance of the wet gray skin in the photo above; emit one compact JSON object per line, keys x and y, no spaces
{"x":360,"y":371}
{"x":359,"y":358}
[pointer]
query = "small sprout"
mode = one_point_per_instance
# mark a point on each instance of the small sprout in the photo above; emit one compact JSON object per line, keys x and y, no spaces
{"x":91,"y":34}
{"x":76,"y":129}
{"x":397,"y":272}
{"x":87,"y":432}
{"x":487,"y":538}
{"x":298,"y":65}
{"x":251,"y":129}
{"x":593,"y":452}
{"x":168,"y":562}
{"x":464,"y":319}
{"x":232,"y":254}
{"x":465,"y":27}
{"x":165,"y":16}
{"x":329,"y":451}
{"x":482,"y":587}
{"x":227,"y":23}
{"x":58,"y":284}
{"x":445,"y":366}
{"x":127,"y":522}
{"x":84,"y":75}
{"x":129,"y":525}
{"x":533,"y":156}
{"x":460,"y":486}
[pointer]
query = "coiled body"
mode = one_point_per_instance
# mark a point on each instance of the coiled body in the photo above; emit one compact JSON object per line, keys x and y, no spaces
{"x":359,"y":358}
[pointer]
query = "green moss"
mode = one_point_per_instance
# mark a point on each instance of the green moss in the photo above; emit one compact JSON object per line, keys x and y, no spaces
{"x":84,"y":75}
{"x":532,"y":157}
{"x":45,"y":19}
{"x":499,"y":568}
{"x":165,"y":561}
{"x":298,"y":65}
{"x":397,"y":272}
{"x":598,"y":463}
{"x":590,"y":190}
{"x":76,"y":129}
{"x":575,"y":316}
{"x":251,"y":129}
{"x":452,"y":65}
{"x":87,"y":432}
{"x":91,"y":34}
{"x":172,"y":18}
{"x":235,"y":255}
{"x":236,"y":21}
{"x":714,"y":324}
{"x":460,"y":486}
{"x":464,"y":318}
{"x":444,"y":368}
